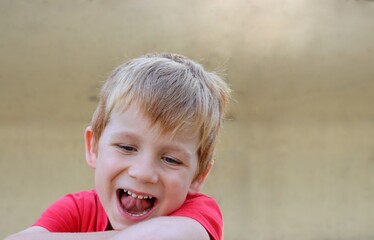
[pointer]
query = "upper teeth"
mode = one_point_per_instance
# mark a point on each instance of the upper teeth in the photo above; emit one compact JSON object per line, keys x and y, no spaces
{"x":137,"y":196}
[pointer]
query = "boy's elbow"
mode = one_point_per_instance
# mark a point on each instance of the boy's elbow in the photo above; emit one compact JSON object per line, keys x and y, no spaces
{"x":27,"y":234}
{"x":13,"y":236}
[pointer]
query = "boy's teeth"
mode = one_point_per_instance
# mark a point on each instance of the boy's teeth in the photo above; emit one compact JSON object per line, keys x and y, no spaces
{"x":136,"y":196}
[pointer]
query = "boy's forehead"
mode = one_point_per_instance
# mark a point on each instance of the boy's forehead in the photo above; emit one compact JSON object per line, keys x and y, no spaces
{"x":184,"y":129}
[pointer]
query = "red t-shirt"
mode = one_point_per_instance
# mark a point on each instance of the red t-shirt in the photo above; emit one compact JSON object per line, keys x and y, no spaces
{"x":83,"y":212}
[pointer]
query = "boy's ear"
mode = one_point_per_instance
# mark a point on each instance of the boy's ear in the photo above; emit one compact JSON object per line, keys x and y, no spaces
{"x":90,"y":147}
{"x":198,"y":183}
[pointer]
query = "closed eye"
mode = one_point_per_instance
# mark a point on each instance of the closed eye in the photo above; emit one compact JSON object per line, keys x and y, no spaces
{"x":171,"y":161}
{"x":127,"y":148}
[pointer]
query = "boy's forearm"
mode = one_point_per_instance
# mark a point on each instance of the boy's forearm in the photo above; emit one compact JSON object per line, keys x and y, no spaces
{"x":160,"y":228}
{"x":164,"y":228}
{"x":62,"y":236}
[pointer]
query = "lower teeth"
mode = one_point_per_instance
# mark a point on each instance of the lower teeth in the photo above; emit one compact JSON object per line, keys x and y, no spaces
{"x":138,"y":214}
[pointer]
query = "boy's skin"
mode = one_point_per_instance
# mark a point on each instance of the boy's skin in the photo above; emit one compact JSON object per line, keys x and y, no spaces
{"x":133,"y":154}
{"x":150,"y":143}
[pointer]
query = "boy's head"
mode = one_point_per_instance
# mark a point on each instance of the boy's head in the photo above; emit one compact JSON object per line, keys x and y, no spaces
{"x":173,"y":92}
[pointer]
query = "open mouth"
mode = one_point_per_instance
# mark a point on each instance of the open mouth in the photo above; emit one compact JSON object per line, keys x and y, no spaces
{"x":134,"y":204}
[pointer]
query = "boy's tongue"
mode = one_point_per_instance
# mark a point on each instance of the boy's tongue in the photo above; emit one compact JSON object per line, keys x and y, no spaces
{"x":135,"y":205}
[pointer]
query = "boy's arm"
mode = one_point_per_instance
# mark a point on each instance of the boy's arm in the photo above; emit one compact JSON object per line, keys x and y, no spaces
{"x":160,"y":228}
{"x":165,"y":228}
{"x":40,"y":233}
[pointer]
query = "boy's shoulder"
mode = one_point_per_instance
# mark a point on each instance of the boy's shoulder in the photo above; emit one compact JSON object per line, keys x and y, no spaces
{"x":82,"y":199}
{"x":75,"y":212}
{"x":83,"y":195}
{"x":205,"y":210}
{"x":200,"y":202}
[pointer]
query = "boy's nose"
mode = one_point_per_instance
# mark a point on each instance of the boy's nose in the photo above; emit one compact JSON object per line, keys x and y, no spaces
{"x":144,"y":170}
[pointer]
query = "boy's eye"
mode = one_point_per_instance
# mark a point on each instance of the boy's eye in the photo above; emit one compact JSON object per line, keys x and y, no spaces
{"x":127,"y":148}
{"x":171,"y":161}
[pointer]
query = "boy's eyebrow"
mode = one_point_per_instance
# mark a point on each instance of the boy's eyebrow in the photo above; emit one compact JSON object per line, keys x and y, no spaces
{"x":116,"y":135}
{"x":182,"y":150}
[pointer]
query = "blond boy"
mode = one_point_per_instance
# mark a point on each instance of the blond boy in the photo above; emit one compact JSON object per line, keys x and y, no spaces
{"x":151,"y":143}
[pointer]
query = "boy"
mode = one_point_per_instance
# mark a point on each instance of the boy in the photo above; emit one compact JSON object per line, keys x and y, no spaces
{"x":151,"y":142}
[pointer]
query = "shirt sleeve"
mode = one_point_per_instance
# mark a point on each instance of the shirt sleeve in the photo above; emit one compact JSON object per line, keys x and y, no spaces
{"x":206,"y":211}
{"x":77,"y":212}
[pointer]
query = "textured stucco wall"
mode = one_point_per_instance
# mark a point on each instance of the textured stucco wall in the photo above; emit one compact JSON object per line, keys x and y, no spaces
{"x":296,"y":159}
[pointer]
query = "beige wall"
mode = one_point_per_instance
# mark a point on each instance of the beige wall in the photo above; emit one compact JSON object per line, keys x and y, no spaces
{"x":296,"y":160}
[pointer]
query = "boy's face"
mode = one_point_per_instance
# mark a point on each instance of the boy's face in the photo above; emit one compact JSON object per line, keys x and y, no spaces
{"x":141,"y":173}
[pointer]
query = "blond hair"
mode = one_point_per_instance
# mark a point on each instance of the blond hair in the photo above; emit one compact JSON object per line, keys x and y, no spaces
{"x":172,"y":91}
